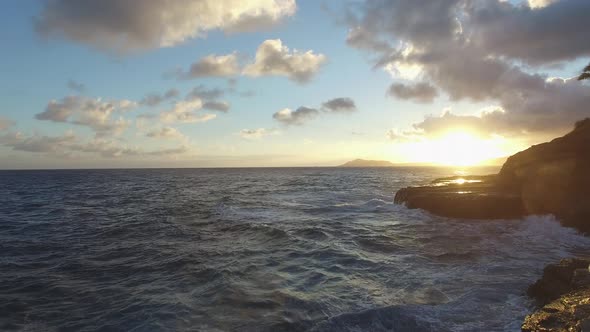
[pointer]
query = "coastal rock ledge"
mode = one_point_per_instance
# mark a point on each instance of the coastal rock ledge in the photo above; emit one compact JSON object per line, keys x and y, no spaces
{"x":564,"y":296}
{"x":549,"y":178}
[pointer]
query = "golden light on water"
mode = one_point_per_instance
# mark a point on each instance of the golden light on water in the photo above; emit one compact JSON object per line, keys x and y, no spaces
{"x":458,"y":148}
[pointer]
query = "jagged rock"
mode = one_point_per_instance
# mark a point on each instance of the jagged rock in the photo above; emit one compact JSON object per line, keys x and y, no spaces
{"x":549,"y":178}
{"x":559,"y":279}
{"x":571,"y":312}
{"x":564,"y":294}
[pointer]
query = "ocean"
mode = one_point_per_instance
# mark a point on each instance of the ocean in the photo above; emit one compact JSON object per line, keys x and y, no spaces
{"x":260,"y":249}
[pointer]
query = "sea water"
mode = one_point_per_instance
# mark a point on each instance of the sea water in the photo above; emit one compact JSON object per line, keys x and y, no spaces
{"x":270,"y":249}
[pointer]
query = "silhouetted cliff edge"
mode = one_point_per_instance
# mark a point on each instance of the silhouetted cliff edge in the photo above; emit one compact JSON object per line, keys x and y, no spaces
{"x":549,"y":178}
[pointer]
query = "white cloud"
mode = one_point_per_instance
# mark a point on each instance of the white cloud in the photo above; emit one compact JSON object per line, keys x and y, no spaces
{"x":185,"y":112}
{"x":38,"y":143}
{"x":124,"y":25}
{"x":540,"y":3}
{"x":69,"y":145}
{"x":257,"y":133}
{"x":90,"y":112}
{"x":273,"y":58}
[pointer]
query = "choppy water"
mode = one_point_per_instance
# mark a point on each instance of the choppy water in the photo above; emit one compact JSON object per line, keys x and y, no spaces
{"x":314,"y":249}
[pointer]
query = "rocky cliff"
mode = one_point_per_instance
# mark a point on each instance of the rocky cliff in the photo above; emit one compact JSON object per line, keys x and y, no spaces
{"x":549,"y":178}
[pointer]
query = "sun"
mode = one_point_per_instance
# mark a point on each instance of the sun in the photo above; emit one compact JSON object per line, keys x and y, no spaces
{"x":457,"y":148}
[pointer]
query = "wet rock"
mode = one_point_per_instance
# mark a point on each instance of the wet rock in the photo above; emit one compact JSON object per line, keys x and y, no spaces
{"x":559,"y":279}
{"x":569,"y":313}
{"x":564,"y":295}
{"x":481,"y":198}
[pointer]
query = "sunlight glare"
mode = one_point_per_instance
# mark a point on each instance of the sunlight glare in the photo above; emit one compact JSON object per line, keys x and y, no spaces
{"x":457,"y":148}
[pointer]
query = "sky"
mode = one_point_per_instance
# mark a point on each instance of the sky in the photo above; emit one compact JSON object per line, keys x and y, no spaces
{"x":234,"y":83}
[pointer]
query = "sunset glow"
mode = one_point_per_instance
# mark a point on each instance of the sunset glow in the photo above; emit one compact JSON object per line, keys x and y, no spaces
{"x":457,"y":148}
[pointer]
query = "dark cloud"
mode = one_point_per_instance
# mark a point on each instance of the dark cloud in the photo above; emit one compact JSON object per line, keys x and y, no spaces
{"x":420,"y":92}
{"x":124,"y":25}
{"x":214,"y":66}
{"x":474,"y":50}
{"x":304,"y":114}
{"x":204,"y":93}
{"x":554,"y":33}
{"x":76,"y":86}
{"x":221,"y":106}
{"x":339,"y":105}
{"x":155,"y":99}
{"x":297,"y":117}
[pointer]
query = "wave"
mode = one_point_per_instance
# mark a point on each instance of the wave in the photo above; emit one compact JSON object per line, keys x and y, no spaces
{"x":392,"y":318}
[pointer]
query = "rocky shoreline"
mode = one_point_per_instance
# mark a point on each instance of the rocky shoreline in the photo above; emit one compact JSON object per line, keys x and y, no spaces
{"x":549,"y":178}
{"x":563,"y":295}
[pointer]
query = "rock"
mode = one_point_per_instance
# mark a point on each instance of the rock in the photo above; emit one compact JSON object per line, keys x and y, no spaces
{"x":480,"y":198}
{"x":559,"y":279}
{"x":564,"y":294}
{"x":549,"y":178}
{"x":571,"y":312}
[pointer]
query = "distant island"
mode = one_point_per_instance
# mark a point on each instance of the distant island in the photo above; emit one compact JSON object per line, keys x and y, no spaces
{"x":367,"y":163}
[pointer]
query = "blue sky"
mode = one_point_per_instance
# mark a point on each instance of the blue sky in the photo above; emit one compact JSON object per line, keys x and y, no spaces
{"x":39,"y":63}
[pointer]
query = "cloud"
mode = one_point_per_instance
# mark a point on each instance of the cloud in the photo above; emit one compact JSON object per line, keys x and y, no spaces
{"x":257,"y":133}
{"x":484,"y":51}
{"x":214,"y":66}
{"x":127,"y":25}
{"x":275,"y":59}
{"x":420,"y":92}
{"x":540,"y":3}
{"x":221,"y":106}
{"x":304,"y":114}
{"x":298,"y":117}
{"x":359,"y":37}
{"x":68,"y":144}
{"x":90,"y":112}
{"x":155,"y":99}
{"x":185,"y":112}
{"x":553,"y":32}
{"x":166,"y":133}
{"x":397,"y":135}
{"x":339,"y":105}
{"x":5,"y":123}
{"x":204,"y":93}
{"x":76,"y":86}
{"x":38,"y":143}
{"x":111,"y":149}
